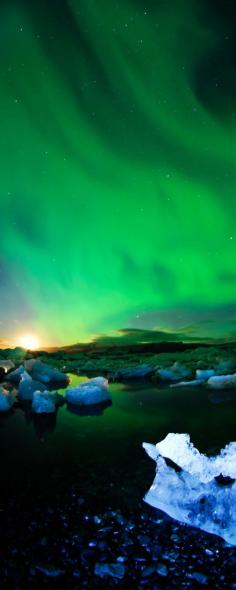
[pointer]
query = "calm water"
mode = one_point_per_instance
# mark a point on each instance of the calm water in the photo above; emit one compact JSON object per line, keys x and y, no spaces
{"x":102,"y":454}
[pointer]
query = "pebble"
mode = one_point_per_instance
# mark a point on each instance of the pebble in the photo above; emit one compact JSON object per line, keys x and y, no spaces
{"x":50,"y":570}
{"x":162,"y":569}
{"x":116,"y":570}
{"x":199,"y":577}
{"x":146,"y":554}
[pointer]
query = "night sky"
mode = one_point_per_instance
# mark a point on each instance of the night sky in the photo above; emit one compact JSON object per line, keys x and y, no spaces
{"x":118,"y":168}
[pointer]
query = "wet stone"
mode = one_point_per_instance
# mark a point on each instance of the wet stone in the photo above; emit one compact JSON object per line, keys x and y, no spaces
{"x":116,"y":570}
{"x":50,"y":571}
{"x":76,"y":574}
{"x":144,"y":540}
{"x":209,"y":552}
{"x":148,"y":555}
{"x":162,"y":569}
{"x":148,"y":571}
{"x":199,"y":577}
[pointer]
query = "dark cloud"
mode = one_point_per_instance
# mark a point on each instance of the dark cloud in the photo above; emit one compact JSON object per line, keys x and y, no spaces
{"x":135,"y":336}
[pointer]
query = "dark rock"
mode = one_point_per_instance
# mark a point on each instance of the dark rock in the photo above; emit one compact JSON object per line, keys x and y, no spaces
{"x":116,"y":570}
{"x":50,"y":570}
{"x":148,"y":570}
{"x":199,"y":577}
{"x":162,"y":569}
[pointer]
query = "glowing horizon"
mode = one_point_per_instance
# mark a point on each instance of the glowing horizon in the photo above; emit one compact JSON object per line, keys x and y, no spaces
{"x":30,"y":342}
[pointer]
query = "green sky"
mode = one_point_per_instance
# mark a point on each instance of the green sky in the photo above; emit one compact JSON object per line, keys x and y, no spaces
{"x":118,"y":176}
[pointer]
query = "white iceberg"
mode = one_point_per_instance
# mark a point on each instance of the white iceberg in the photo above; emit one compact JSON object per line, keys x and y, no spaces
{"x":6,"y":400}
{"x":222,"y":381}
{"x":93,"y":391}
{"x":44,"y":402}
{"x":210,"y":379}
{"x":193,"y":488}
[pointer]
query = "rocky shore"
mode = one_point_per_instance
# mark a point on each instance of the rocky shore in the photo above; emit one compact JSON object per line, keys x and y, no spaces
{"x":74,"y":543}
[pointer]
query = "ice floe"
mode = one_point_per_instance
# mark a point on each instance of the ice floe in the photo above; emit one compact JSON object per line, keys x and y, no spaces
{"x":209,"y":379}
{"x":93,"y":391}
{"x":28,"y":386}
{"x":204,"y":374}
{"x":15,"y":376}
{"x":222,"y":381}
{"x":193,"y":488}
{"x":45,"y":373}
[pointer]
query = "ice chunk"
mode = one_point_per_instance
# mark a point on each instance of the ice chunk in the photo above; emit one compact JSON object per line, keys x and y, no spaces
{"x":44,"y":402}
{"x":190,"y":490}
{"x":45,"y":373}
{"x":15,"y":376}
{"x":222,"y":381}
{"x":96,"y":381}
{"x":27,"y":386}
{"x":174,"y":373}
{"x":6,"y":400}
{"x":93,"y":391}
{"x":204,"y":374}
{"x":179,"y":449}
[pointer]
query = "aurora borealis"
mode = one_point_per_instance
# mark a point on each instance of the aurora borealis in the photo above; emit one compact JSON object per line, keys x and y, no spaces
{"x":118,"y":176}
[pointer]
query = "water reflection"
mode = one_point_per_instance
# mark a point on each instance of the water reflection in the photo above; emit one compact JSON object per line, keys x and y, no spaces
{"x":224,"y":395}
{"x":89,"y":410}
{"x":137,"y":411}
{"x":44,"y":424}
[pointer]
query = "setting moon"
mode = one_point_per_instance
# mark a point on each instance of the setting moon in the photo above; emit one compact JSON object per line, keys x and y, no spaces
{"x":29,"y":341}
